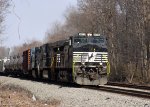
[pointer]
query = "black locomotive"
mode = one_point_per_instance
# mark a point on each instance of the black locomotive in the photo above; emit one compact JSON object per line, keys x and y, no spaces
{"x":81,"y":59}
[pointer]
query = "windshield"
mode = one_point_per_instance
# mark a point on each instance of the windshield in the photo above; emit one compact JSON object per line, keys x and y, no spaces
{"x":92,"y":39}
{"x":80,"y":40}
{"x":89,"y":43}
{"x":96,"y":39}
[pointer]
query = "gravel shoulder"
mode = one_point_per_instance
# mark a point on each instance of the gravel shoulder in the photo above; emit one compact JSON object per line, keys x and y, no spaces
{"x":63,"y":96}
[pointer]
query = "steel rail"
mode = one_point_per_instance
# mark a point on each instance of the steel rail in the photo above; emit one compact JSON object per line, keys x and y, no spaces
{"x":129,"y":91}
{"x":143,"y":87}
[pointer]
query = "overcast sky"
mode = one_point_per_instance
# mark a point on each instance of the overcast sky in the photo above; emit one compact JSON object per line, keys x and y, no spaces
{"x":33,"y":18}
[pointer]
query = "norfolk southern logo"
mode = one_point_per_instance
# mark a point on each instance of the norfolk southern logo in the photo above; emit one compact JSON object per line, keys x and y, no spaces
{"x":91,"y":56}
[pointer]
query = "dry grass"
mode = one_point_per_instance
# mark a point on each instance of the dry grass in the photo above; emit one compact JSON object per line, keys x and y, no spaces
{"x":16,"y":97}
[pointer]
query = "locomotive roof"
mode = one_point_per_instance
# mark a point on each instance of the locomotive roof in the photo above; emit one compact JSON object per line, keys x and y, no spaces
{"x":58,"y":43}
{"x":66,"y":41}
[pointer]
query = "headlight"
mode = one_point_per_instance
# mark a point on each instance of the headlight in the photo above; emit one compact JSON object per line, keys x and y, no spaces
{"x":83,"y":63}
{"x":101,"y":63}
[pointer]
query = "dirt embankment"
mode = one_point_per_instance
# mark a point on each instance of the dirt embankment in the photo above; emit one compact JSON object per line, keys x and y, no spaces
{"x":12,"y":97}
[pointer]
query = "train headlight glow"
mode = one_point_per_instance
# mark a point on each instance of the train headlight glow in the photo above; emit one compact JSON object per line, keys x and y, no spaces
{"x":82,"y":34}
{"x":89,"y":34}
{"x":83,"y":63}
{"x":96,"y":34}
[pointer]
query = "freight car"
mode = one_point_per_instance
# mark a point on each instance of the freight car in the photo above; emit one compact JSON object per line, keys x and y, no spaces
{"x":81,"y":59}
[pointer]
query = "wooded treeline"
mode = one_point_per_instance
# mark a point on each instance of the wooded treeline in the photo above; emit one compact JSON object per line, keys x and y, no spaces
{"x":126,"y":23}
{"x":18,"y":50}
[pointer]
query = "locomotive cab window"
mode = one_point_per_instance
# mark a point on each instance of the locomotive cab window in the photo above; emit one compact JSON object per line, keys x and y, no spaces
{"x":80,"y":40}
{"x":96,"y":39}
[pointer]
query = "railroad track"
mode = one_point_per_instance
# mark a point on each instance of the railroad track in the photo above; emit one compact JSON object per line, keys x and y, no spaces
{"x":142,"y":93}
{"x":129,"y":85}
{"x":137,"y":93}
{"x":126,"y":89}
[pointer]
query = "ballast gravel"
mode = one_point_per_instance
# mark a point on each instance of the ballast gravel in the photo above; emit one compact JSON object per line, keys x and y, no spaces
{"x":74,"y":96}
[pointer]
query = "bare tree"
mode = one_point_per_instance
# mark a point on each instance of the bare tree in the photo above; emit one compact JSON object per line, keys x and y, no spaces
{"x":4,"y":52}
{"x":18,"y":50}
{"x":4,"y":4}
{"x":126,"y":24}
